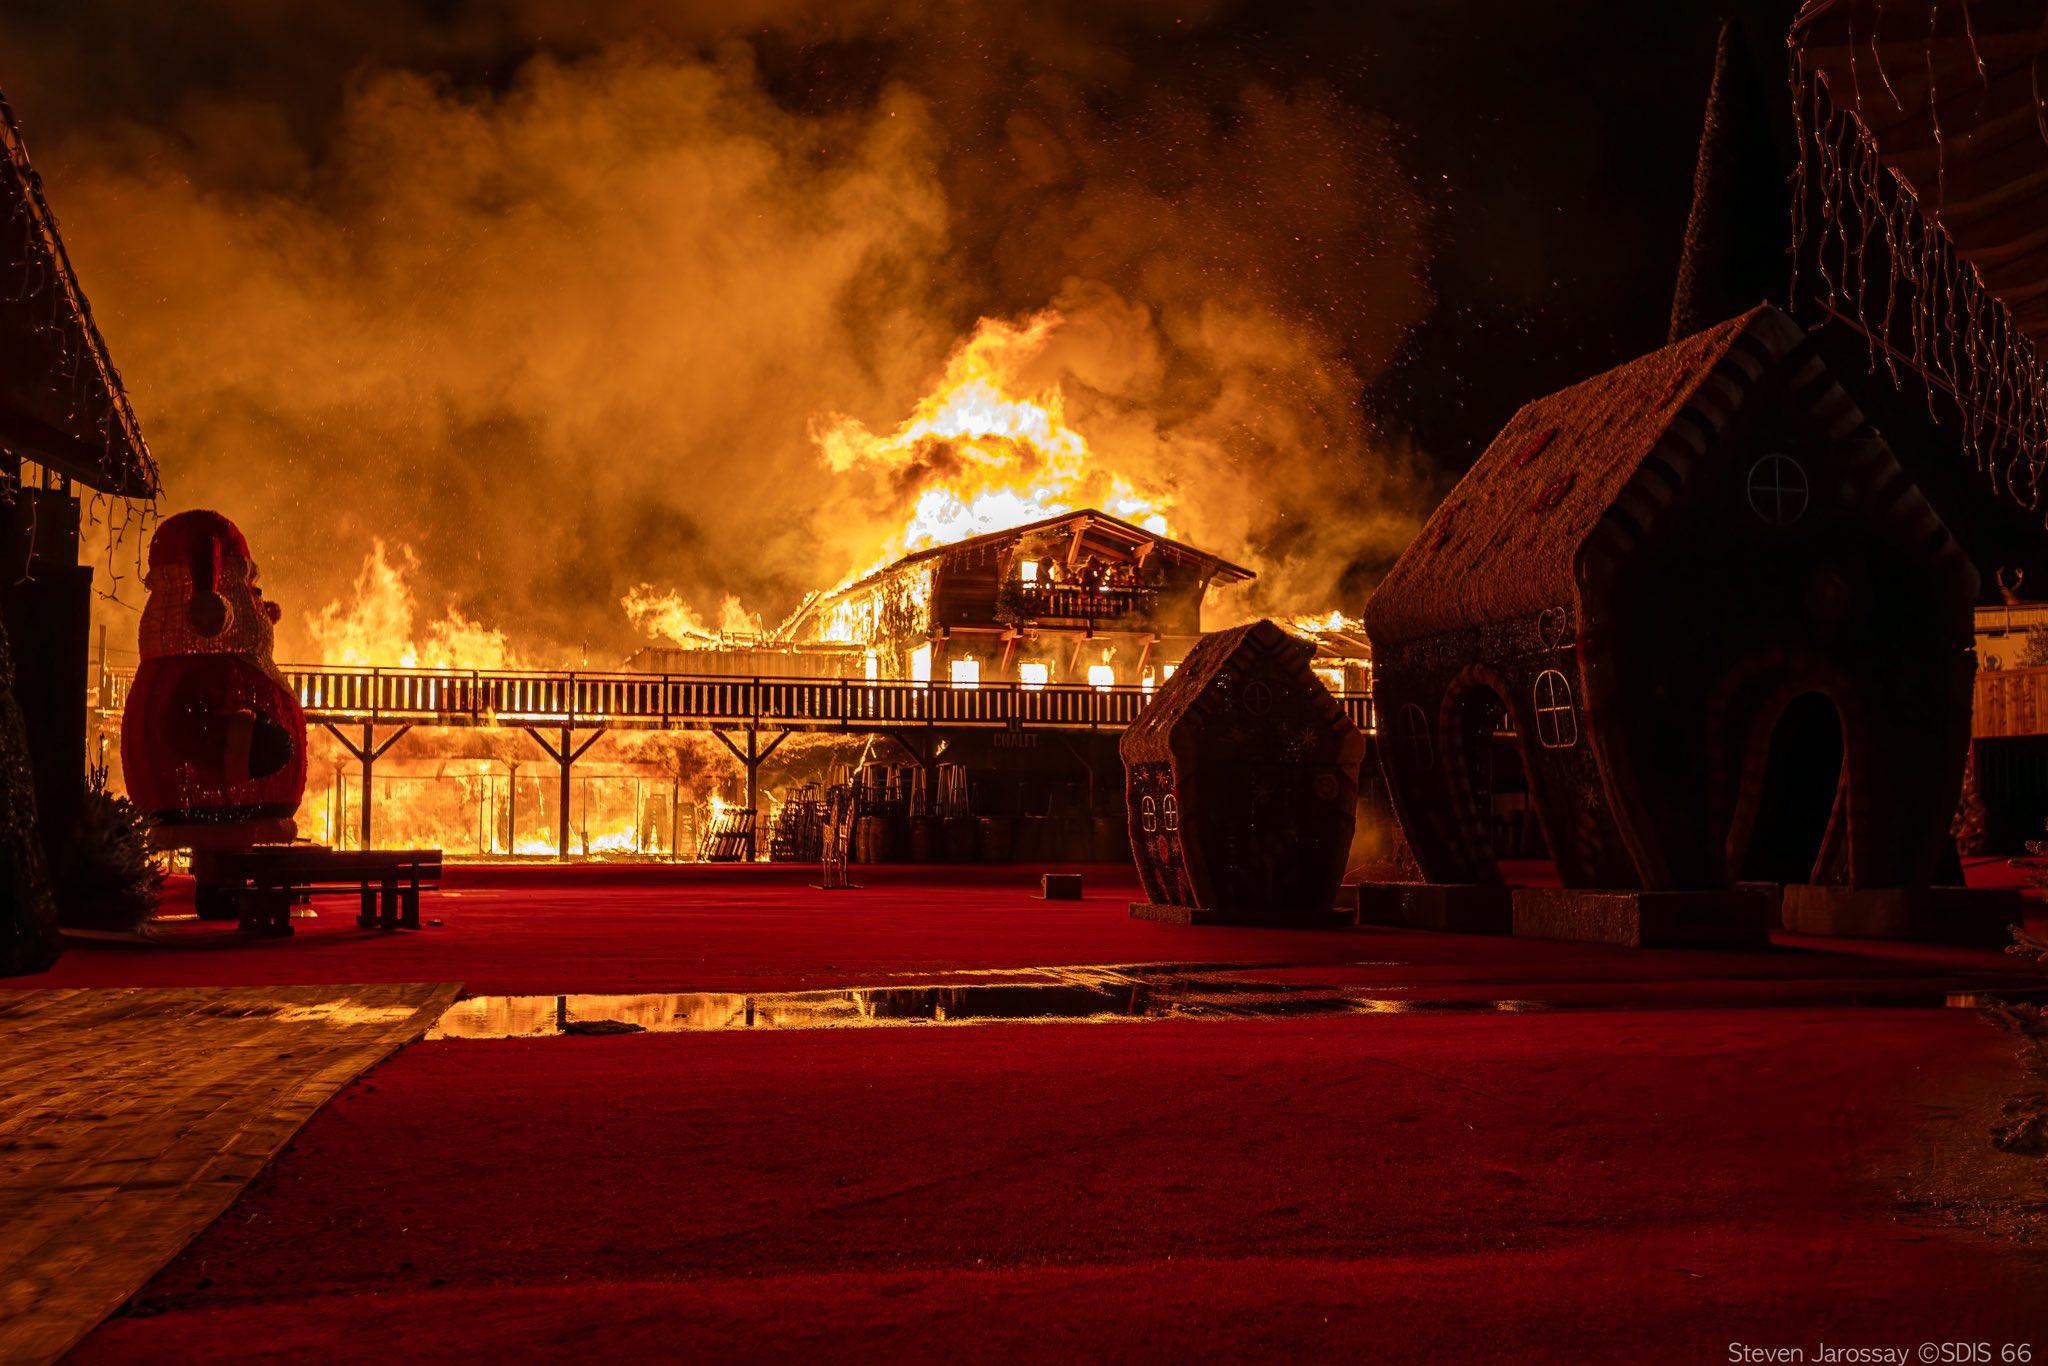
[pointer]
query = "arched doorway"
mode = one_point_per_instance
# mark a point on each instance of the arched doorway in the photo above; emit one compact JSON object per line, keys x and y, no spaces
{"x":1489,"y":779}
{"x":1796,"y":793}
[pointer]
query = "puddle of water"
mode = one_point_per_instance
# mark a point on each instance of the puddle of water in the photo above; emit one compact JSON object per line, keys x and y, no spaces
{"x":1095,"y":994}
{"x":1121,"y":993}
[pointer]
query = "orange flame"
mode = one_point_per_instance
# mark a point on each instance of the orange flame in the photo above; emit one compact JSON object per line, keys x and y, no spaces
{"x":984,"y":451}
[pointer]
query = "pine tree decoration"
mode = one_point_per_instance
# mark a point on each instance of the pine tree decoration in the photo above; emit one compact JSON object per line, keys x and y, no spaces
{"x":111,"y":880}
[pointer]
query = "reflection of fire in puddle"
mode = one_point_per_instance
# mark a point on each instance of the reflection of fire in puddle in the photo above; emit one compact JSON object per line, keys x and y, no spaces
{"x":1039,"y":994}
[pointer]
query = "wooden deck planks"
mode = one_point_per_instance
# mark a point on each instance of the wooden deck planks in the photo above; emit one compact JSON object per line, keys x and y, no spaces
{"x":129,"y":1119}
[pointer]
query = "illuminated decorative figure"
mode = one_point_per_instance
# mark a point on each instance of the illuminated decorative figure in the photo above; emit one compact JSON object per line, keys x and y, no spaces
{"x":213,"y":742}
{"x":1241,"y":785}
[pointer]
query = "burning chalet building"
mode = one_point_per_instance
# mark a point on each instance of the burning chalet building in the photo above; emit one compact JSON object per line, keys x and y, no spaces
{"x":1079,"y":600}
{"x":1083,"y":598}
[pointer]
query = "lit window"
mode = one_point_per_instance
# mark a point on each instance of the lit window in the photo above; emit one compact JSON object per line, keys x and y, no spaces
{"x":1027,"y":571}
{"x":1101,"y":676}
{"x":1557,"y":724}
{"x":1778,"y":489}
{"x":1034,"y":673}
{"x":1166,"y":671}
{"x":1149,"y":680}
{"x":873,"y":666}
{"x":966,"y":673}
{"x":1333,"y":679}
{"x":921,"y":663}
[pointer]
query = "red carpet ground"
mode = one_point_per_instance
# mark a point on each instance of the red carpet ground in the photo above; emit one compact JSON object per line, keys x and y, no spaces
{"x":549,"y":929}
{"x":1630,"y":1185}
{"x":1616,"y":1183}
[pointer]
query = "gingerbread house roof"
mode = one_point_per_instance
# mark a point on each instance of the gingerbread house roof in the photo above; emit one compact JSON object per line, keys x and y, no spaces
{"x":1183,"y":703}
{"x":1506,"y":542}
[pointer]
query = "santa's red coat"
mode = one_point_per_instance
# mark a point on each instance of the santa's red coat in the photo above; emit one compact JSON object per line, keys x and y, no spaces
{"x":196,"y":734}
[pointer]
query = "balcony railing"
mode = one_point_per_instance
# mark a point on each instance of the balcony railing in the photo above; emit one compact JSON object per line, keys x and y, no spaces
{"x":2006,"y":617}
{"x":474,"y":697}
{"x":1040,"y":601}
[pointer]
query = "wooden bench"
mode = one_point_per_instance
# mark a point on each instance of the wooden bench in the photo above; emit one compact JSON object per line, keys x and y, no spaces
{"x":262,"y":885}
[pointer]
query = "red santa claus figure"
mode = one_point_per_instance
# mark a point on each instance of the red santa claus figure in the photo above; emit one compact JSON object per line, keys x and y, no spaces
{"x":212,"y":738}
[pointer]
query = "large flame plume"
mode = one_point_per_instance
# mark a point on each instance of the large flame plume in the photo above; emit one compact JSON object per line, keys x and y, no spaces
{"x":629,"y":339}
{"x":976,"y":455}
{"x":626,"y":319}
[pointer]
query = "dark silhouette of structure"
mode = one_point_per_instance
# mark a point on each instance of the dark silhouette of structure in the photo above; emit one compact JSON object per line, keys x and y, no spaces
{"x":64,"y":422}
{"x":1241,"y":784}
{"x":1681,"y":587}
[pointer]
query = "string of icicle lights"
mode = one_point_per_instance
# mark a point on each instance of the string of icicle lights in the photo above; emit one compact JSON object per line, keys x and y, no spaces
{"x":1884,"y":263}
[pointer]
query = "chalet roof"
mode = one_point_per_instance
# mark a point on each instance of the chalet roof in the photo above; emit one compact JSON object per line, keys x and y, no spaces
{"x":61,"y":400}
{"x":1504,"y":544}
{"x":1090,"y":521}
{"x":1951,"y":102}
{"x":1177,"y":710}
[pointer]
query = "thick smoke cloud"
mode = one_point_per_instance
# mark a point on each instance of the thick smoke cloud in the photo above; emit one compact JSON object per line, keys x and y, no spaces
{"x":555,"y":295}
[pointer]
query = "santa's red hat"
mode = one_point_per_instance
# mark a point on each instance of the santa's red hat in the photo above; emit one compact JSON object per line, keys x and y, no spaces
{"x":206,"y":544}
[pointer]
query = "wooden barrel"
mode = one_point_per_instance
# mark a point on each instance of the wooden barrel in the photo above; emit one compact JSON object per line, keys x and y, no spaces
{"x":927,"y":839}
{"x":872,"y":842}
{"x":961,"y":839}
{"x":998,"y":837}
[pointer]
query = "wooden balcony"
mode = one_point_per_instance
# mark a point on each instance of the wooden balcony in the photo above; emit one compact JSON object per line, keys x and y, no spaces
{"x":1074,"y":602}
{"x":344,"y":695}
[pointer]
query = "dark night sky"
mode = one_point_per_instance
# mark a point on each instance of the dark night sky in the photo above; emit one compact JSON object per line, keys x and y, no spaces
{"x":1553,"y":142}
{"x":1559,"y":142}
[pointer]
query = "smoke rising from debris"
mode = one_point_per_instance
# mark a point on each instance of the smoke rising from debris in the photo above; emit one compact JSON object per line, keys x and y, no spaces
{"x":565,"y":319}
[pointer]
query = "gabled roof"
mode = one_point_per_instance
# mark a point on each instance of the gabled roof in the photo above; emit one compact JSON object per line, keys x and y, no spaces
{"x":61,"y":400}
{"x":1090,"y":521}
{"x":1503,"y":544}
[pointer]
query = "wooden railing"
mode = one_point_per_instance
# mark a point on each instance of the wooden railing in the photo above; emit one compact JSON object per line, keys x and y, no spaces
{"x":464,"y":697}
{"x":1039,"y":601}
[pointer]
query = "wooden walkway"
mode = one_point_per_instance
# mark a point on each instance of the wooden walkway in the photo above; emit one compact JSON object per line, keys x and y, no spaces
{"x":129,"y":1120}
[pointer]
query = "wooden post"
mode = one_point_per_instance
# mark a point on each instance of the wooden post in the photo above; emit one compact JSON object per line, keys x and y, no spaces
{"x":753,"y":791}
{"x":369,"y":758}
{"x":367,"y":754}
{"x":562,"y":816}
{"x":565,"y":758}
{"x":751,"y":759}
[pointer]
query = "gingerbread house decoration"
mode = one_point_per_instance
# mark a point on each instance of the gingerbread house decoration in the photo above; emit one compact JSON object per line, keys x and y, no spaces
{"x":1667,"y":587}
{"x":1241,"y":782}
